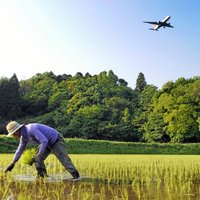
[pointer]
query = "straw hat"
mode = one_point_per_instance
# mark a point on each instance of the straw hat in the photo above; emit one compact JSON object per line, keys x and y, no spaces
{"x":12,"y":127}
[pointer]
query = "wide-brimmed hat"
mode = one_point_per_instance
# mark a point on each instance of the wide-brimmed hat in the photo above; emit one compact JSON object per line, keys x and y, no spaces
{"x":12,"y":127}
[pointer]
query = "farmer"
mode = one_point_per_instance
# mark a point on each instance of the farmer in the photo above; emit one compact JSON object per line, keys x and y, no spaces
{"x":48,"y":139}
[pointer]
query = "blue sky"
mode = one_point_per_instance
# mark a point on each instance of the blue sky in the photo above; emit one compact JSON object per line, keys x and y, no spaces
{"x":67,"y":36}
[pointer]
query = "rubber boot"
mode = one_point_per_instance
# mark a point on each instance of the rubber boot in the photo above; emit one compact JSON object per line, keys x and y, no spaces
{"x":41,"y":173}
{"x":76,"y":176}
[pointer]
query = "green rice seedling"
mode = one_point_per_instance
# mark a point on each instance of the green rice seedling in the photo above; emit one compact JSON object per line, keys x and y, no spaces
{"x":108,"y":177}
{"x":28,"y":156}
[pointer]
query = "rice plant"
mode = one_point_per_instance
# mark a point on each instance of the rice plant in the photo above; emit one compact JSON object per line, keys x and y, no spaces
{"x":28,"y":155}
{"x":106,"y":177}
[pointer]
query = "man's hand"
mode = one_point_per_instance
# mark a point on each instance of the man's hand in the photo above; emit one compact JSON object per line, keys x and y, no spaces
{"x":10,"y":167}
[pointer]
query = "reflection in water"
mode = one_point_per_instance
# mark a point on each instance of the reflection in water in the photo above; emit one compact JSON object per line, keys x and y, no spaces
{"x":27,"y":187}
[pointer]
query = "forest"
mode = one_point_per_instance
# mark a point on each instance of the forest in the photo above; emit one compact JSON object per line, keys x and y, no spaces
{"x":103,"y":107}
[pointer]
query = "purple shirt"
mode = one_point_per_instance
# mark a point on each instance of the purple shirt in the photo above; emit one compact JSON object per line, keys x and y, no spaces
{"x":38,"y":134}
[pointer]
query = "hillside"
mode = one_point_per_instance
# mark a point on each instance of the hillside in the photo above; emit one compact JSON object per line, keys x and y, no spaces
{"x":103,"y":107}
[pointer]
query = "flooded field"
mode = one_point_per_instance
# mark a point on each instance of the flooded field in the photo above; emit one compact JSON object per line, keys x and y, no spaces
{"x":105,"y":177}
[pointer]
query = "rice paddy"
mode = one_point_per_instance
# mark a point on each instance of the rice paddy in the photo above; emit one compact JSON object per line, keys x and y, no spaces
{"x":118,"y":177}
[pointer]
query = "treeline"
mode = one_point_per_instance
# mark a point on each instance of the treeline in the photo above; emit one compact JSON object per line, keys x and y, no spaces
{"x":104,"y":107}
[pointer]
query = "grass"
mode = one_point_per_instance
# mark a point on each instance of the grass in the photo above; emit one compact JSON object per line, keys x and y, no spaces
{"x":83,"y":146}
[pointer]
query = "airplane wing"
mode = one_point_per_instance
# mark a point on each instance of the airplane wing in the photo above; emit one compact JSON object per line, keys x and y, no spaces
{"x":155,"y":23}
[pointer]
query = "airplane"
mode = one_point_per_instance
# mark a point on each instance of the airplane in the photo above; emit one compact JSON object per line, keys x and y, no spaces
{"x":157,"y":25}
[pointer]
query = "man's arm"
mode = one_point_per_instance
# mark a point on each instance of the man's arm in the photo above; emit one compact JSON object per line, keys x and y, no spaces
{"x":22,"y":146}
{"x":41,"y":139}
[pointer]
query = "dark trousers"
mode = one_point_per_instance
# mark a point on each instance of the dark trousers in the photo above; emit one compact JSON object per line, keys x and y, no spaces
{"x":60,"y":151}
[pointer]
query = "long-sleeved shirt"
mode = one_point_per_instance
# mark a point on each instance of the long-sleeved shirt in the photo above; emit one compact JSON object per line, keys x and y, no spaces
{"x":38,"y":134}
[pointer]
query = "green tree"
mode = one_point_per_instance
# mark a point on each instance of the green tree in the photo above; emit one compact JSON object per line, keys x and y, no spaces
{"x":36,"y":97}
{"x":60,"y":96}
{"x":10,"y":98}
{"x":181,"y":124}
{"x":198,"y":121}
{"x":140,"y":82}
{"x":143,"y":109}
{"x":155,"y":129}
{"x":86,"y":122}
{"x":178,"y":105}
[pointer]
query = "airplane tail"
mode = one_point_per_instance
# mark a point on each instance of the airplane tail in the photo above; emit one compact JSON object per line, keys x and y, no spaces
{"x":168,"y":25}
